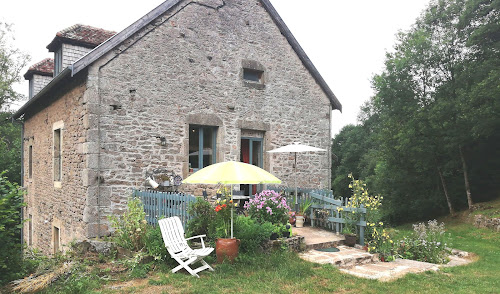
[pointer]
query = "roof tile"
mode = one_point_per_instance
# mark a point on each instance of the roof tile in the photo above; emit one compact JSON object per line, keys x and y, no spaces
{"x":82,"y":34}
{"x":44,"y":67}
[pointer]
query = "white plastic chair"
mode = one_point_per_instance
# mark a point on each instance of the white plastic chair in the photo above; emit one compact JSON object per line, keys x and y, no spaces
{"x":173,"y":236}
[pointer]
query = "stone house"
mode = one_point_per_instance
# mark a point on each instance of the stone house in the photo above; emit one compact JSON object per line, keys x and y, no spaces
{"x":191,"y":83}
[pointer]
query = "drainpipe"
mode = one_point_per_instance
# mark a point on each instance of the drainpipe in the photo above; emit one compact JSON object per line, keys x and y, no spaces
{"x":22,"y":169}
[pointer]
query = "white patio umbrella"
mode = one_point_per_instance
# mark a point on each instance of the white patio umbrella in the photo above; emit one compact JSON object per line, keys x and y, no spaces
{"x":296,"y":147}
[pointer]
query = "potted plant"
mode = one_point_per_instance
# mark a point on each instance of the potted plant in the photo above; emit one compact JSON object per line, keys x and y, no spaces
{"x":349,"y":228}
{"x":299,"y":216}
{"x":225,"y":247}
{"x":278,"y":231}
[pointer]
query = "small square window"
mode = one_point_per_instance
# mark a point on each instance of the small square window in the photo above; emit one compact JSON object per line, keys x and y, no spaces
{"x":252,"y":75}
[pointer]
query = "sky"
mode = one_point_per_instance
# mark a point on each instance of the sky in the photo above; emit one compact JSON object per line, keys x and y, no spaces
{"x":345,"y":40}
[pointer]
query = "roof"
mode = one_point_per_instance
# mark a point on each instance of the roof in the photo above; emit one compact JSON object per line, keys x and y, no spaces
{"x":43,"y":68}
{"x":82,"y":35}
{"x":120,"y":37}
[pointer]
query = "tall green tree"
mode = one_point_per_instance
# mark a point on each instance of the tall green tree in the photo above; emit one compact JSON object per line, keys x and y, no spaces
{"x":434,"y":119}
{"x":10,"y":148}
{"x":12,"y":61}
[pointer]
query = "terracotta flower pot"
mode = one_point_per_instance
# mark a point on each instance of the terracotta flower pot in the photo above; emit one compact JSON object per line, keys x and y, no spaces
{"x":227,"y":249}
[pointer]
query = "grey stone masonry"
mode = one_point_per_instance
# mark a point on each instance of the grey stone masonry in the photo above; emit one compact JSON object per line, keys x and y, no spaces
{"x":56,"y":204}
{"x":185,"y":68}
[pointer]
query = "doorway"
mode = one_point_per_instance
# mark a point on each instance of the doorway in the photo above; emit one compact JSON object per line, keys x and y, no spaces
{"x":251,"y":153}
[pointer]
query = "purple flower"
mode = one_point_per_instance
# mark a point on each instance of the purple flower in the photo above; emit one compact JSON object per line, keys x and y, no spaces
{"x":269,"y":210}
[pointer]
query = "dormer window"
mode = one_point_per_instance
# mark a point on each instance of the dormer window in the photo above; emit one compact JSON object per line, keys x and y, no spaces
{"x":57,"y":61}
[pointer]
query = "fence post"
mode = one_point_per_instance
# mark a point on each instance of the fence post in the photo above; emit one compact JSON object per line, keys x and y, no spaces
{"x":362,"y":230}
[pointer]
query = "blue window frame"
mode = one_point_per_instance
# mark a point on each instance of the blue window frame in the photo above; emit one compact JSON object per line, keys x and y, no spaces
{"x":202,"y":146}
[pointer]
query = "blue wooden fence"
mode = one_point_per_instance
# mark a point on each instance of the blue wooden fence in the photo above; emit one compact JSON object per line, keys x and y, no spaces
{"x":323,"y":200}
{"x":158,"y":205}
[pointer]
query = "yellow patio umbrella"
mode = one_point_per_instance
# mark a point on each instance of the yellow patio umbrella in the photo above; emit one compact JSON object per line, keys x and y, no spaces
{"x":230,"y":173}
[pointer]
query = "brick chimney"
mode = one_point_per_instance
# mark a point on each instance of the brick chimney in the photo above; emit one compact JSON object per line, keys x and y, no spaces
{"x":39,"y":75}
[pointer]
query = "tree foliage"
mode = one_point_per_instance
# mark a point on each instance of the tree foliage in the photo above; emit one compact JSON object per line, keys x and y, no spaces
{"x":11,"y":203}
{"x":10,"y":148}
{"x":436,"y":112}
{"x":12,"y":61}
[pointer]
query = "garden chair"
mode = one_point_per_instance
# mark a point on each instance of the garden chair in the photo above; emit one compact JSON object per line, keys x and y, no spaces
{"x":173,"y":236}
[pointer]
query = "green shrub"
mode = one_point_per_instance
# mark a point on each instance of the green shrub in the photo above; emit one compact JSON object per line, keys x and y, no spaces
{"x":427,"y":243}
{"x":131,"y":227}
{"x":203,"y":221}
{"x":251,"y":233}
{"x":154,"y":244}
{"x":11,"y":203}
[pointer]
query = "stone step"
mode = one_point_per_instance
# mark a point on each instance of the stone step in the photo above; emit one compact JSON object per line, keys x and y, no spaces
{"x":347,"y":257}
{"x":323,"y":245}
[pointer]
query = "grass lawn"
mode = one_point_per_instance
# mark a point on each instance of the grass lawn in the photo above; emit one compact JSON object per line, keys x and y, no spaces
{"x":284,"y":272}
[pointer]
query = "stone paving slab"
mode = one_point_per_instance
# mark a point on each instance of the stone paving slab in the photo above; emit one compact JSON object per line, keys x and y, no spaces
{"x":388,"y":271}
{"x":345,"y":258}
{"x":316,"y":238}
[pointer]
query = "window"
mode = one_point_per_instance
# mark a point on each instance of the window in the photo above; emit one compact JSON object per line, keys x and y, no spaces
{"x":30,"y":230}
{"x":202,"y":145}
{"x":57,"y":61}
{"x":252,"y":75}
{"x":57,"y":239}
{"x":31,"y":85}
{"x":30,"y":161}
{"x":57,"y":154}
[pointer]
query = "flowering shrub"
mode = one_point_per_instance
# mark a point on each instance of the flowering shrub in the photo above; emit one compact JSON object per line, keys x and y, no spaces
{"x":427,"y":243}
{"x":381,"y":242}
{"x":268,"y":206}
{"x":361,"y":198}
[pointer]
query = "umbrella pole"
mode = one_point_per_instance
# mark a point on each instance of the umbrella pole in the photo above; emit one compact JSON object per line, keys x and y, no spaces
{"x":295,"y":178}
{"x":232,"y":206}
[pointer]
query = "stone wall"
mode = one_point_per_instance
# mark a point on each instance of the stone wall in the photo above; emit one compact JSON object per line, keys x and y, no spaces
{"x":482,"y":221}
{"x":49,"y":203}
{"x":186,"y":68}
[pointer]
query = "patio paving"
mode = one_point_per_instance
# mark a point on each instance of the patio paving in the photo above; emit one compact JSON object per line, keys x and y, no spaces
{"x":357,"y":262}
{"x":316,"y":238}
{"x":346,"y":257}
